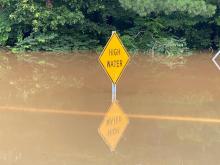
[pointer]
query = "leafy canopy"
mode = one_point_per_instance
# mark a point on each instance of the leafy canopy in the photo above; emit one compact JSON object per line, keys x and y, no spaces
{"x":191,"y":7}
{"x":164,"y":26}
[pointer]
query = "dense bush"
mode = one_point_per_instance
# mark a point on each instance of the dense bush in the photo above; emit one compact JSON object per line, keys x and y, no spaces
{"x":168,"y":26}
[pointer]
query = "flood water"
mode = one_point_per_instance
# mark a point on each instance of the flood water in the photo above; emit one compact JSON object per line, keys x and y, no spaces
{"x":51,"y":106}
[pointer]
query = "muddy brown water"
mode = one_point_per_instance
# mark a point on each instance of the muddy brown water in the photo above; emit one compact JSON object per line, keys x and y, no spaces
{"x":185,"y":87}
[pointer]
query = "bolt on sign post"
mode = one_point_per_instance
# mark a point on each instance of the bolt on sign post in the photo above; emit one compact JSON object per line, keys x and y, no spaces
{"x":113,"y":126}
{"x":114,"y":59}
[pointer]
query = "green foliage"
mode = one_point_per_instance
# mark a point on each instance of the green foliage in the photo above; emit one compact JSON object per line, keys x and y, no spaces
{"x":5,"y":28}
{"x":168,"y":26}
{"x":161,"y":45}
{"x":129,"y":43}
{"x":199,"y":38}
{"x":170,"y":46}
{"x":192,"y":7}
{"x":34,"y":42}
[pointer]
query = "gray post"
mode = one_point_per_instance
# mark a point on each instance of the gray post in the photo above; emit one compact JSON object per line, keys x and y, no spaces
{"x":114,"y":91}
{"x":114,"y":87}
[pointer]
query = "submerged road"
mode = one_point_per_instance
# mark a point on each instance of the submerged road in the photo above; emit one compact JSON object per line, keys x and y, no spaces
{"x":50,"y":111}
{"x":34,"y":136}
{"x":98,"y":114}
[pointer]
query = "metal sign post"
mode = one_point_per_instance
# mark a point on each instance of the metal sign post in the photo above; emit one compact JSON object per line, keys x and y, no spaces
{"x":113,"y":85}
{"x":114,"y":92}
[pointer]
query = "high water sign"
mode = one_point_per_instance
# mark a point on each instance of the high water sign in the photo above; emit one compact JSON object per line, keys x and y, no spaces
{"x":114,"y":58}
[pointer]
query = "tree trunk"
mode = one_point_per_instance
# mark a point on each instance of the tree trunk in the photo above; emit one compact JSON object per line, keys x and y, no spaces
{"x":49,"y":3}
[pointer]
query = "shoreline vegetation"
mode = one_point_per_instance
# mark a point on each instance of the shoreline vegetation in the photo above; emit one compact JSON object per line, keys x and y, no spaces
{"x":41,"y":57}
{"x":166,"y":27}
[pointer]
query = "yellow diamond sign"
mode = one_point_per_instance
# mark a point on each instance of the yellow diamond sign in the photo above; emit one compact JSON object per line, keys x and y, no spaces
{"x":113,"y":126}
{"x":114,"y":58}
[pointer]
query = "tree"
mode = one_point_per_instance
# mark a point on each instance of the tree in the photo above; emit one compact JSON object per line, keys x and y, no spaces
{"x":49,"y":3}
{"x":67,"y":25}
{"x":191,"y":7}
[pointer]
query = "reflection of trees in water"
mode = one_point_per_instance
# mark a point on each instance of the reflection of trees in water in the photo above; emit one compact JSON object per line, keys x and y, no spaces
{"x":40,"y":79}
{"x":192,"y":98}
{"x":4,"y":65}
